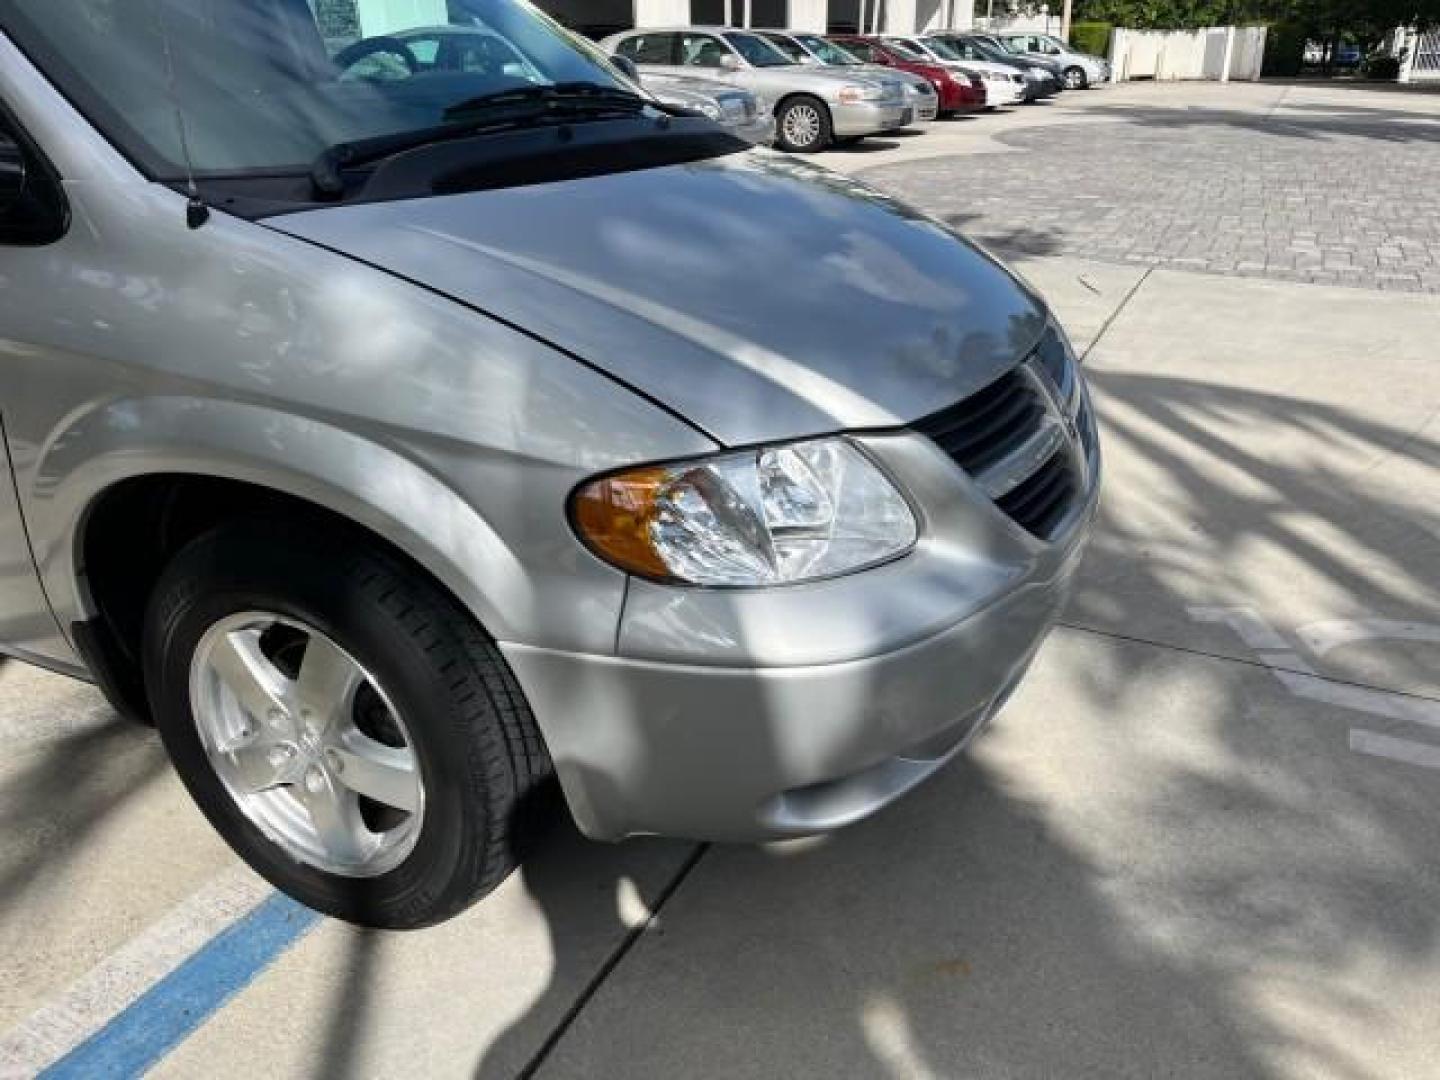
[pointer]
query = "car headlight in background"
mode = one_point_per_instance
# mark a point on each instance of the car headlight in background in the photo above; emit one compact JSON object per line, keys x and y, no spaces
{"x":851,"y":94}
{"x":714,"y":112}
{"x":770,"y":516}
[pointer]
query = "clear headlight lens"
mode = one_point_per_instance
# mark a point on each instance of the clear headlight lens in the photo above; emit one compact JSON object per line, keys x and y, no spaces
{"x":714,"y":112}
{"x":771,"y":516}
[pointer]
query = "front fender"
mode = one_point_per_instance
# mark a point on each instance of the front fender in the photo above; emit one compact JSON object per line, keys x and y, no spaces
{"x":390,"y":489}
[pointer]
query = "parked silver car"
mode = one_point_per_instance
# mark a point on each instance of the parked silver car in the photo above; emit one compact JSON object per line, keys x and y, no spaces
{"x":814,"y":106}
{"x":747,"y":115}
{"x":1078,"y":69}
{"x":814,"y":49}
{"x":396,"y":444}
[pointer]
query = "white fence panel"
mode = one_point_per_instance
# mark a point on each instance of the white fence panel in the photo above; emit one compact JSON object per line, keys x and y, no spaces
{"x":1215,"y":52}
{"x":1425,"y":52}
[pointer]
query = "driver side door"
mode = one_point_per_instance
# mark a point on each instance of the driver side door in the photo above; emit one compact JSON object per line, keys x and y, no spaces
{"x":32,"y":215}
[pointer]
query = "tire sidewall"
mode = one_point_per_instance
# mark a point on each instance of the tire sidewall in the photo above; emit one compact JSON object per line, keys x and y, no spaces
{"x":321,"y":592}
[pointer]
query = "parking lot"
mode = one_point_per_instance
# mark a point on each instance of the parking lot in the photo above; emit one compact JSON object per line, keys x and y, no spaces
{"x":1199,"y":842}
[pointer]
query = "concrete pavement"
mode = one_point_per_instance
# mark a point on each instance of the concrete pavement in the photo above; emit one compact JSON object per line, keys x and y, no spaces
{"x":1199,"y":841}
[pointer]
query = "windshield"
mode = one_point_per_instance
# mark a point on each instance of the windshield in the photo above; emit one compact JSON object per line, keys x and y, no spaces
{"x":757,"y":51}
{"x":263,"y":86}
{"x":827,"y":52}
{"x":788,"y":47}
{"x":943,"y":49}
{"x":905,"y":50}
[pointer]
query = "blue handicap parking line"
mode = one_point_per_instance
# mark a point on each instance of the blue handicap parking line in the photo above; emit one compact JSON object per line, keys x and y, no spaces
{"x":157,"y":1021}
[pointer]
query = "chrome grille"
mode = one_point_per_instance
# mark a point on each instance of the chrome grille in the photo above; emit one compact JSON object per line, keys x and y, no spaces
{"x":986,"y":427}
{"x":1026,"y":439}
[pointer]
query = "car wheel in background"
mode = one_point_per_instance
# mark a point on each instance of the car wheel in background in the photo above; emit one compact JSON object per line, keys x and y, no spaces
{"x":1075,"y":78}
{"x":803,"y":125}
{"x":344,"y":724}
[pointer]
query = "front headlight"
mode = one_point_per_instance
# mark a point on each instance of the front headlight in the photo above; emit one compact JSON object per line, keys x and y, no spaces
{"x":771,"y":516}
{"x":714,"y":112}
{"x":852,"y":94}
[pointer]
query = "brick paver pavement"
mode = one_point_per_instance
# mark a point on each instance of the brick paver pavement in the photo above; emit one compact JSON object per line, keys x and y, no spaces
{"x":1334,"y":194}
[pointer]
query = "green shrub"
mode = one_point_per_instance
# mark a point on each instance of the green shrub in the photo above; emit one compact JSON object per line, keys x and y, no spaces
{"x":1091,"y":37}
{"x":1284,"y":49}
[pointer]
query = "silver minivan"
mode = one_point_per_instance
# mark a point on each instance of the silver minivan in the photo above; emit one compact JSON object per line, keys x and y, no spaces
{"x":412,"y":443}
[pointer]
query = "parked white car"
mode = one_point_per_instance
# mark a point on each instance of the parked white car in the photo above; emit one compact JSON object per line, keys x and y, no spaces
{"x":814,"y":106}
{"x":1003,"y":85}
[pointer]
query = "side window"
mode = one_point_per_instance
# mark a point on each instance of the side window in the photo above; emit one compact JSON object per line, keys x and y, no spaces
{"x":648,"y":48}
{"x":864,"y":51}
{"x":700,"y":50}
{"x":425,"y":51}
{"x":32,"y":206}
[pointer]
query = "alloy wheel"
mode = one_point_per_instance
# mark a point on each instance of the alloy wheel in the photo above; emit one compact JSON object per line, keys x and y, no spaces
{"x":307,"y":744}
{"x":802,"y":125}
{"x":1074,"y":79}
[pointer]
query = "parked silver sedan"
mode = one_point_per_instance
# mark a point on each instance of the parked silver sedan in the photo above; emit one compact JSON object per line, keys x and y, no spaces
{"x":746,"y":114}
{"x":814,"y":106}
{"x":814,"y":49}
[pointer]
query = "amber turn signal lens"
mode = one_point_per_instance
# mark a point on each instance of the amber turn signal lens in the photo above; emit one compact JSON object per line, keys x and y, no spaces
{"x":614,"y":517}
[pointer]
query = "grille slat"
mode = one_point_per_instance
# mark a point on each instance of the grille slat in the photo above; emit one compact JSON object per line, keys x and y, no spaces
{"x":998,"y":421}
{"x":983,"y":428}
{"x":1042,"y":499}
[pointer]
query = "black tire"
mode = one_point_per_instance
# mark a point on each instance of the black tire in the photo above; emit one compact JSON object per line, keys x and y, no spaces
{"x":1075,"y":78}
{"x":484,"y":765}
{"x":794,"y":108}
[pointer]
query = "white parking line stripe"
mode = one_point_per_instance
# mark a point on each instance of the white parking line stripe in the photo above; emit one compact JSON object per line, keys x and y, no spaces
{"x":1322,"y":637}
{"x":1387,"y":746}
{"x":97,"y":997}
{"x":1362,"y":699}
{"x":1248,"y":623}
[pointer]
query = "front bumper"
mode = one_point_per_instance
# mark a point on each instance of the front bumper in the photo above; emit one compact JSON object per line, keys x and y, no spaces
{"x":759,"y":131}
{"x":869,"y":118}
{"x":1003,"y":93}
{"x":734,"y":715}
{"x":927,"y":108}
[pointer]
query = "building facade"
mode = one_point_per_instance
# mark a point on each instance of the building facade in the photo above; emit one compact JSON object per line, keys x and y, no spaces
{"x":348,"y":19}
{"x":878,"y":16}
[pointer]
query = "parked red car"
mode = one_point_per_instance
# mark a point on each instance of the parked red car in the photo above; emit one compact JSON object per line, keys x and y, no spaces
{"x":958,"y":94}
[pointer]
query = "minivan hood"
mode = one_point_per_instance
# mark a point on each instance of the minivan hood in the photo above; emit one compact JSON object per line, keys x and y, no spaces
{"x":760,"y":297}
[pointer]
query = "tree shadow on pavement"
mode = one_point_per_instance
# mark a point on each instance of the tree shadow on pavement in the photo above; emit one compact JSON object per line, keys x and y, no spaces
{"x":1158,"y":863}
{"x":54,"y":797}
{"x":1321,"y":122}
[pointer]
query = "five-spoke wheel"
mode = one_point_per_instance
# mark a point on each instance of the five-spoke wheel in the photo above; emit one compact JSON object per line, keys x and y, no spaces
{"x":344,"y":724}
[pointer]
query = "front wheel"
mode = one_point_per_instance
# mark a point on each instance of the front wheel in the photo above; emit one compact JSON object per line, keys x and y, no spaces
{"x":803,"y":126}
{"x":342,"y":722}
{"x":1075,"y":78}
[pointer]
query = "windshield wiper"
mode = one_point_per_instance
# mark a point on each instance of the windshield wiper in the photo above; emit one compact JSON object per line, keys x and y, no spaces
{"x":520,"y":107}
{"x":555,"y":97}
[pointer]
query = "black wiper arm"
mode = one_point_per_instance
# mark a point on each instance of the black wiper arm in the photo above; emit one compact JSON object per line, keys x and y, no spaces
{"x":567,"y":95}
{"x":503,"y":108}
{"x":325,"y":171}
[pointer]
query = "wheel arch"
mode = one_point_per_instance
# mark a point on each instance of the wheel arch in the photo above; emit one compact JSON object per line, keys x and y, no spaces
{"x":130,"y":483}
